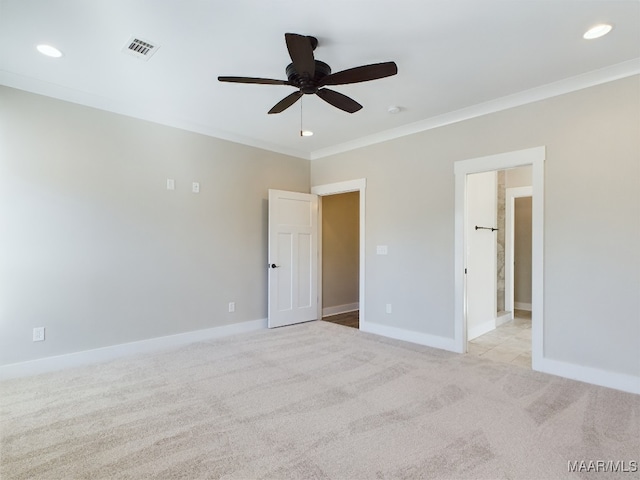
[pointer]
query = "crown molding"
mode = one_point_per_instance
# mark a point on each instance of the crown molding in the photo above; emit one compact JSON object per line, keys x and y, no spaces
{"x":86,"y":99}
{"x":561,"y":87}
{"x":572,"y":84}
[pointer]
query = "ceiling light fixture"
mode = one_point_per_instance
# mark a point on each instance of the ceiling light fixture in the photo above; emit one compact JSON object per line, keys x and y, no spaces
{"x":597,"y":31}
{"x":49,"y":51}
{"x":393,"y":109}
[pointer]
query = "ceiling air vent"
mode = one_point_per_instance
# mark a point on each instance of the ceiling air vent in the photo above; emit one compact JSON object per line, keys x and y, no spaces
{"x":140,"y":48}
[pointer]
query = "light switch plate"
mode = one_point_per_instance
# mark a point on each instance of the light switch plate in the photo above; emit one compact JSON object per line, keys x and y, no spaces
{"x":38,"y":334}
{"x":195,"y":187}
{"x":381,"y":250}
{"x":171,"y":184}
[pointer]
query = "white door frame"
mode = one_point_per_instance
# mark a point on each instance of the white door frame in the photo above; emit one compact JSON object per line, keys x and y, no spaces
{"x":358,"y":185}
{"x":509,"y":244}
{"x":531,"y":156}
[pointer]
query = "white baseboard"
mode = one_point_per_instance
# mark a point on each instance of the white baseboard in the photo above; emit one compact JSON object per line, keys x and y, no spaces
{"x":338,"y":309}
{"x":87,"y":357}
{"x":522,"y":306}
{"x":504,"y":318}
{"x":481,"y":329}
{"x":595,"y":376}
{"x":425,"y":339}
{"x":618,"y":381}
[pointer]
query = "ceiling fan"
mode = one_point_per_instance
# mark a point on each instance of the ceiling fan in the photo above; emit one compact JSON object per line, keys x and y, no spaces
{"x":310,"y":76}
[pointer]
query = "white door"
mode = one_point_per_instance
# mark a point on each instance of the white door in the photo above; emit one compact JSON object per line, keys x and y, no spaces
{"x":293,"y":258}
{"x":481,"y":244}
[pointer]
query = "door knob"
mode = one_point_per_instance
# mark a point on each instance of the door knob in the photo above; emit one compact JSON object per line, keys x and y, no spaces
{"x":273,"y":265}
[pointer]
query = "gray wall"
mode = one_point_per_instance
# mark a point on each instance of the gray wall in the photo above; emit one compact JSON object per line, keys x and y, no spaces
{"x":592,"y":220}
{"x":513,"y":177}
{"x":96,"y":249}
{"x":522,"y":250}
{"x":518,"y":177}
{"x":340,"y":249}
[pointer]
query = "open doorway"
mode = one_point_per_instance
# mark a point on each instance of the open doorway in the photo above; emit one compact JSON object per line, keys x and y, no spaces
{"x":357,"y":187}
{"x":340,"y":258}
{"x":499,"y":264}
{"x":533,"y":157}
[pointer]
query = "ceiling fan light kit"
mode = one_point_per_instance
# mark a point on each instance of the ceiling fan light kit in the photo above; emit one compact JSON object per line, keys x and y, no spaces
{"x":311,"y":76}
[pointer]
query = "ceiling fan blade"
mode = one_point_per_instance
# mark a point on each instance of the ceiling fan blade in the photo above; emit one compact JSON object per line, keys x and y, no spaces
{"x":264,"y":81}
{"x":361,"y":74}
{"x":286,"y":102}
{"x":301,"y":53}
{"x":339,"y":100}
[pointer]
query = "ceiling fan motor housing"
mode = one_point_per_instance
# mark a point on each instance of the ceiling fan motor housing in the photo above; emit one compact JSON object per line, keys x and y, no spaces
{"x":304,"y":82}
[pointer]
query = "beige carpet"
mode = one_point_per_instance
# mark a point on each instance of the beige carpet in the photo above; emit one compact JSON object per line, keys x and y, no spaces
{"x":311,"y":401}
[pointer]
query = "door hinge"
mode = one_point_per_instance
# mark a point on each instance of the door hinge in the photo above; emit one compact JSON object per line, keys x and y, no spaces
{"x":465,"y":271}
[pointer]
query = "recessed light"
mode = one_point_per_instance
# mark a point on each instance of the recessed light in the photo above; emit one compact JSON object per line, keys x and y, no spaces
{"x":306,"y":133}
{"x":597,"y":31}
{"x":49,"y":51}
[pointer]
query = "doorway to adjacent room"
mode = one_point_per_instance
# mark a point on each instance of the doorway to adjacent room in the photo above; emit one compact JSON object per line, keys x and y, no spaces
{"x":466,"y":326}
{"x":342,"y":252}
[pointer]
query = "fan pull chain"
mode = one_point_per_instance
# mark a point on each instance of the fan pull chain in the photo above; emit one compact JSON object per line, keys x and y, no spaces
{"x":303,"y":132}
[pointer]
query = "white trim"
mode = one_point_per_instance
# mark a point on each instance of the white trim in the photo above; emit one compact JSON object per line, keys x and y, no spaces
{"x":523,"y":306}
{"x":358,"y":185}
{"x":595,"y":376}
{"x":499,"y":161}
{"x":504,"y":318}
{"x":531,"y":156}
{"x":138,"y":111}
{"x":425,"y":339}
{"x":572,"y":84}
{"x":537,"y":261}
{"x":338,"y":309}
{"x":484,"y":327}
{"x":509,"y":249}
{"x":586,"y":80}
{"x":88,"y":357}
{"x":340,"y":187}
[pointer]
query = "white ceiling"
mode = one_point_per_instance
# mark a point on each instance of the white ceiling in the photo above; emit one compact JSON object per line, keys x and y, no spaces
{"x":456,"y":58}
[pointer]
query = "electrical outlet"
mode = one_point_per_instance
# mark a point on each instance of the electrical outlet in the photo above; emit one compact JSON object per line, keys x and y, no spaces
{"x":232,"y":307}
{"x":388,"y":308}
{"x":195,"y":187}
{"x":38,"y":334}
